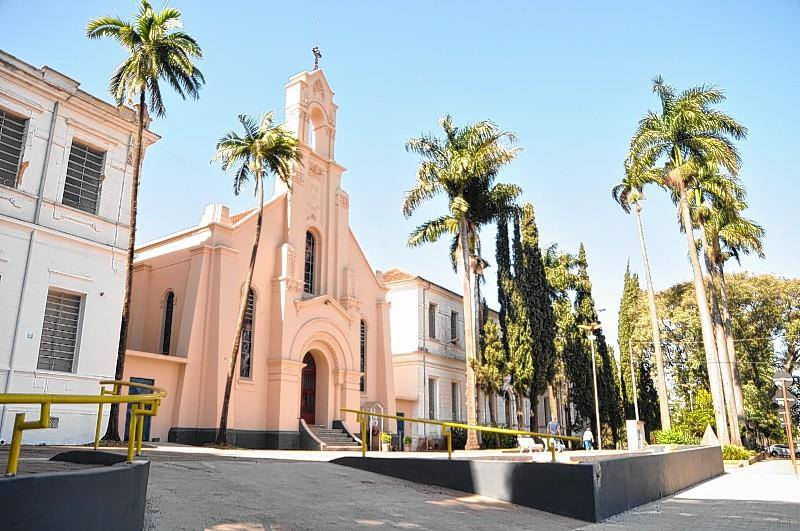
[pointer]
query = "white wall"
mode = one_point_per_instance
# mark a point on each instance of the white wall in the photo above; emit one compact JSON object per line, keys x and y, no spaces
{"x":44,"y":244}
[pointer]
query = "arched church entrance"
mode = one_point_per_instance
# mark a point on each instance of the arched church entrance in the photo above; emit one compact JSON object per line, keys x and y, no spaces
{"x":308,"y":390}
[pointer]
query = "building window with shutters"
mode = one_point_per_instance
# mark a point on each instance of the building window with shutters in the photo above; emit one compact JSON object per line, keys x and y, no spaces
{"x":454,"y":326}
{"x":12,"y":139}
{"x":60,"y":331}
{"x":432,"y":320}
{"x":456,"y":401}
{"x":432,"y":398}
{"x":246,"y":347}
{"x":169,"y":309}
{"x":84,"y":177}
{"x":363,"y":354}
{"x":310,"y":256}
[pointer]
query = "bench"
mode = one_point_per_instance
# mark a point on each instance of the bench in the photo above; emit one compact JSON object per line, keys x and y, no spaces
{"x":528,"y":444}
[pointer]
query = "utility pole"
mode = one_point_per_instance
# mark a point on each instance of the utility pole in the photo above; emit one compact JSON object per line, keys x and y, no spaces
{"x":590,"y":328}
{"x":780,"y":379}
{"x":633,"y":380}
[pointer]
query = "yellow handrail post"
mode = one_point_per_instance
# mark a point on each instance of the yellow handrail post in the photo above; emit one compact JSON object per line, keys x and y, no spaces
{"x":449,"y":442}
{"x":99,"y":424}
{"x":363,"y":435}
{"x":139,"y":429}
{"x":131,"y":436}
{"x":552,"y":451}
{"x":16,"y":438}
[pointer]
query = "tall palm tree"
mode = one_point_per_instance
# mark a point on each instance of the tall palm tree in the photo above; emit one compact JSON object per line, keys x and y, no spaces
{"x":263,"y":148}
{"x":731,"y":236}
{"x":629,"y":194}
{"x":713,"y":198}
{"x":463,"y":166}
{"x":686,"y":129}
{"x":157,"y":51}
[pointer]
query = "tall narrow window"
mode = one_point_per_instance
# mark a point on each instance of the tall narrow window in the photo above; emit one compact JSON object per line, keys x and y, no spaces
{"x":246,"y":348}
{"x":311,"y":244}
{"x":12,"y":133}
{"x":456,"y":402}
{"x":169,"y":307}
{"x":84,"y":176}
{"x":363,"y":352}
{"x":453,"y":326}
{"x":432,"y":320}
{"x":60,"y":331}
{"x":432,"y":398}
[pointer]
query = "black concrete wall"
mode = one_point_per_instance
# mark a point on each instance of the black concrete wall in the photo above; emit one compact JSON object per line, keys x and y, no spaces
{"x":255,"y":439}
{"x":625,"y":483}
{"x":98,"y":498}
{"x":591,"y":491}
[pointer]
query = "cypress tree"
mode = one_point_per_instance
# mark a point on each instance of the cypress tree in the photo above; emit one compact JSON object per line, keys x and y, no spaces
{"x":532,"y":283}
{"x":607,"y":379}
{"x":503,"y":259}
{"x":628,"y":307}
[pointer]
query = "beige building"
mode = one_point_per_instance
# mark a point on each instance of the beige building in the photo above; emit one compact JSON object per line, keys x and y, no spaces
{"x":316,"y":339}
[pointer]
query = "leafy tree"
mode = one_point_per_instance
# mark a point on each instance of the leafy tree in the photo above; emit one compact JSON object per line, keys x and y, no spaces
{"x":463,"y":166}
{"x":629,"y":194}
{"x":686,"y":133}
{"x":648,"y":397}
{"x":263,"y":149}
{"x":491,"y":368}
{"x":158,"y":51}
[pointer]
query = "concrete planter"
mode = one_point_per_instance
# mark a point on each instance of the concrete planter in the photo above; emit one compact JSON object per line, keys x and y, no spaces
{"x":110,"y":495}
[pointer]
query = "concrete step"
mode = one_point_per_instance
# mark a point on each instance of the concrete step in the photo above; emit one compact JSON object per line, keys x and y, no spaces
{"x":342,"y":448}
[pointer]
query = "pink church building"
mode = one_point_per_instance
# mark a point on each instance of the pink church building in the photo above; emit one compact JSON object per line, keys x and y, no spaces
{"x":317,"y":333}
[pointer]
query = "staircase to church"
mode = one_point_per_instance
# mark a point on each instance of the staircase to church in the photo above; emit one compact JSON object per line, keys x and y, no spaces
{"x":335,"y":439}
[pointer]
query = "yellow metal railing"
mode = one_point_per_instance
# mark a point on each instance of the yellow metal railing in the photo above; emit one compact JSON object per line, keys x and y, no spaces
{"x":145,"y":404}
{"x":363,"y":416}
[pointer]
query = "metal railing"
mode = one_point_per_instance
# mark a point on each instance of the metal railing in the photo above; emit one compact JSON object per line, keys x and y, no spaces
{"x":363,"y":416}
{"x":145,"y":404}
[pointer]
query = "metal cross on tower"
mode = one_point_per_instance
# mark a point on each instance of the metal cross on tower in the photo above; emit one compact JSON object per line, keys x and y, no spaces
{"x":317,"y":56}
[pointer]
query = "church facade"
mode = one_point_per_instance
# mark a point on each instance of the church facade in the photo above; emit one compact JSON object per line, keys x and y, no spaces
{"x":316,"y":336}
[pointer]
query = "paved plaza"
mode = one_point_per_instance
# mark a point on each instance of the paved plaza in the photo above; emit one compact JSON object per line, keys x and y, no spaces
{"x":203,"y":488}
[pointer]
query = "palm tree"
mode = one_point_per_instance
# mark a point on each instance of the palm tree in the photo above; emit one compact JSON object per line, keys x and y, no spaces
{"x":688,"y":129}
{"x":730,"y":235}
{"x":629,"y":194}
{"x":263,"y":149}
{"x":157,"y":51}
{"x":463,"y":167}
{"x":713,"y":198}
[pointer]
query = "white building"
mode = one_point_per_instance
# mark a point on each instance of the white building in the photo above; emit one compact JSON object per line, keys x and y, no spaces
{"x":65,"y":176}
{"x":427,"y":324}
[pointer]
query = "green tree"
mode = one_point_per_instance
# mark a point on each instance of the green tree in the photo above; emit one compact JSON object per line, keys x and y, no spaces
{"x":648,"y":397}
{"x":531,"y":282}
{"x":262,"y":149}
{"x":462,"y":166}
{"x":491,"y":368}
{"x":688,"y":130}
{"x":158,"y":51}
{"x":630,"y":194}
{"x":607,"y":379}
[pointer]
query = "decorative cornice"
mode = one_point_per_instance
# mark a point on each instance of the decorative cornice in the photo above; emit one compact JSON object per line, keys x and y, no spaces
{"x":299,"y":304}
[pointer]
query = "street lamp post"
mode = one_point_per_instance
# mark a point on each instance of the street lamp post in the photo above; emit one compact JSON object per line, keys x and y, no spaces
{"x":590,"y":328}
{"x":780,"y":379}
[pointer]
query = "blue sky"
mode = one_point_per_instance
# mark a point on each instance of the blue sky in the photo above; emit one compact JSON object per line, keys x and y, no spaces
{"x":570,"y":78}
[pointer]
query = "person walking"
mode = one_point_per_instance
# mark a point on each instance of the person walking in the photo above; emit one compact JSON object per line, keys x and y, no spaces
{"x":588,"y":439}
{"x":553,"y":429}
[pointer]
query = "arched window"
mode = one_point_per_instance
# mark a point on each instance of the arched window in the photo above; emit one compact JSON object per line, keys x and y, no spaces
{"x":169,"y":306}
{"x":246,"y":347}
{"x":311,"y":135}
{"x":363,"y":352}
{"x":311,"y":250}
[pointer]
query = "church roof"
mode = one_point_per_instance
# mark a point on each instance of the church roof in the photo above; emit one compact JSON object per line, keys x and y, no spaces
{"x":236,"y":217}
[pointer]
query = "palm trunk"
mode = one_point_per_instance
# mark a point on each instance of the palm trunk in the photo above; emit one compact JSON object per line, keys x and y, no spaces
{"x":470,"y":347}
{"x":551,"y":399}
{"x":222,"y":432}
{"x":701,"y":297}
{"x":520,"y":406}
{"x":661,"y":379}
{"x":722,"y":348}
{"x":734,"y":362}
{"x":112,"y":431}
